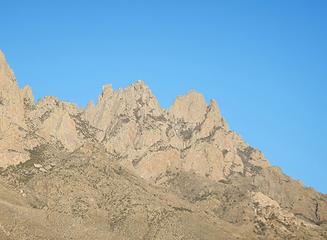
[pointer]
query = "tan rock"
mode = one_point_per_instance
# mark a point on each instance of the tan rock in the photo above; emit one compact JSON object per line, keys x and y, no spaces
{"x":27,"y":95}
{"x":190,"y":108}
{"x":59,"y":126}
{"x":12,"y":121}
{"x":37,"y":165}
{"x":184,"y":158}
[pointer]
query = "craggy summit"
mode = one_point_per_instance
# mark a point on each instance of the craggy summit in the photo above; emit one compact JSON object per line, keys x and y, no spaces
{"x":124,"y":168}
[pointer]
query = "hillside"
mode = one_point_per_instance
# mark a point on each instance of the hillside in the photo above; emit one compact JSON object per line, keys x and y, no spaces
{"x":124,"y":168}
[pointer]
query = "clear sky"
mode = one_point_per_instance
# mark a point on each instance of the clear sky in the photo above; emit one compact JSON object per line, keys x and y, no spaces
{"x":265,"y":62}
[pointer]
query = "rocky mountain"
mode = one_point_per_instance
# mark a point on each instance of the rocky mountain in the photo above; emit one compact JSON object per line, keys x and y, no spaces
{"x":124,"y":168}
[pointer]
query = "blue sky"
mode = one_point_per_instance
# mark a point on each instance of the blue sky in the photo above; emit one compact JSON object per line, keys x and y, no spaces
{"x":265,"y":62}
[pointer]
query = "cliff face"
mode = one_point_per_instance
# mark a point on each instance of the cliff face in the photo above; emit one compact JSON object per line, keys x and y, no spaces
{"x":185,"y":159}
{"x":189,"y":136}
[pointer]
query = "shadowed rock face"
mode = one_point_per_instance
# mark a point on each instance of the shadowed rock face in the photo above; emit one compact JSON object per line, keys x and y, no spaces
{"x":124,"y":168}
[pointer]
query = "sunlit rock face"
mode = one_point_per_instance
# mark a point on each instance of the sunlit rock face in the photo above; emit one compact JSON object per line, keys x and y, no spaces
{"x":12,"y":117}
{"x":189,"y":136}
{"x":125,"y":168}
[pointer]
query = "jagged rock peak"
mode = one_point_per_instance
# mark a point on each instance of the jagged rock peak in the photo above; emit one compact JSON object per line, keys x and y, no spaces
{"x":134,"y":100}
{"x":49,"y":100}
{"x":133,"y":96}
{"x":214,"y":109}
{"x":27,"y":95}
{"x":214,"y":105}
{"x":90,"y":104}
{"x":2,"y":57}
{"x":191,"y":107}
{"x":139,"y":84}
{"x":107,"y":91}
{"x":5,"y":71}
{"x":135,"y":89}
{"x":138,"y":88}
{"x":51,"y":103}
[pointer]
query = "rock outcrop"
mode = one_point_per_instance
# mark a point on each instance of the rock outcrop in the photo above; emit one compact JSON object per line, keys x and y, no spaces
{"x":12,"y":117}
{"x":125,"y":168}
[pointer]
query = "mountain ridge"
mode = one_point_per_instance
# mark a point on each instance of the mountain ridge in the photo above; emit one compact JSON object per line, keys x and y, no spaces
{"x":53,"y":151}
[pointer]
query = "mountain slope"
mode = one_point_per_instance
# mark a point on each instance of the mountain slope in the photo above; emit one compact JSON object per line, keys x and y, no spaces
{"x":127,"y":169}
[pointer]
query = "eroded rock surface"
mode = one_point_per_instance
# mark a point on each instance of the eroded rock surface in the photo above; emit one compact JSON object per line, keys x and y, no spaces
{"x":124,"y":168}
